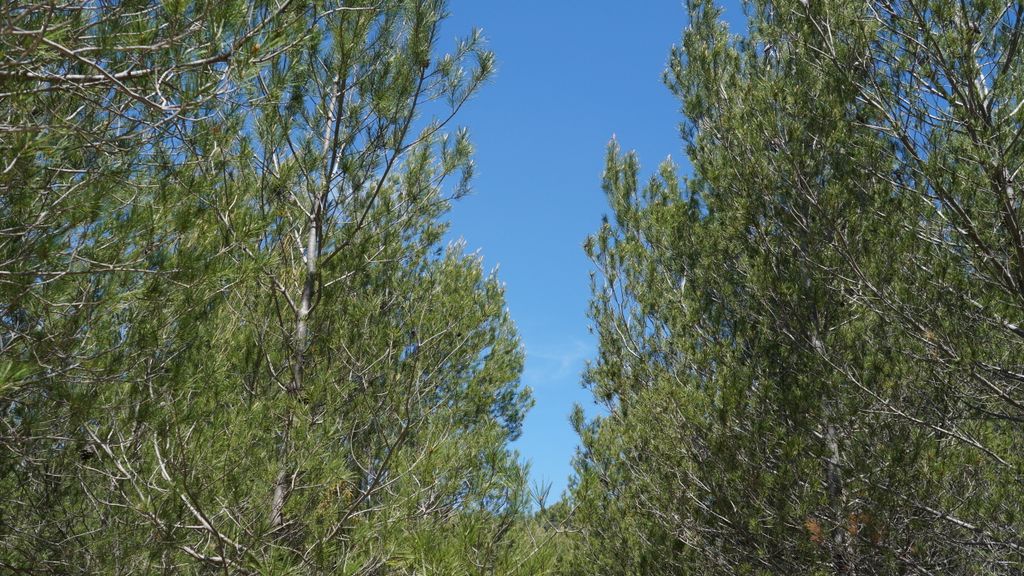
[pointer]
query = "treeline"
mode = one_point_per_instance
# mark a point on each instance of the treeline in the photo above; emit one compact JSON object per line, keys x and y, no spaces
{"x":234,"y":342}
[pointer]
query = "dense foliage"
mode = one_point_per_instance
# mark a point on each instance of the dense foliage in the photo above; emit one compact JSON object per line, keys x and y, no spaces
{"x":232,"y":339}
{"x":810,"y":351}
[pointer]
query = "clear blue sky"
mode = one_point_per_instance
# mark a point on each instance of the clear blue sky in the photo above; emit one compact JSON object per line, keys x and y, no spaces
{"x":570,"y":75}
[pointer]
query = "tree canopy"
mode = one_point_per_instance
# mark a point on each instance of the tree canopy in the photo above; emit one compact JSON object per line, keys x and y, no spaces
{"x":234,"y":338}
{"x":809,"y":350}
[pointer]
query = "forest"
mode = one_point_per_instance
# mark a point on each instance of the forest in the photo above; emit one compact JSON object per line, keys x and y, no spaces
{"x":235,"y":339}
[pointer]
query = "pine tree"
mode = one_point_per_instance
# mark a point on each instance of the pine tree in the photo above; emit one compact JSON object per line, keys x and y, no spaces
{"x":806,"y":349}
{"x":238,"y":342}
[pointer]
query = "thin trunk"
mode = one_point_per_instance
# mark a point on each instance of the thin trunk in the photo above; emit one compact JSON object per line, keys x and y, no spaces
{"x":299,"y":346}
{"x":842,"y":544}
{"x":311,"y":257}
{"x":841,"y":538}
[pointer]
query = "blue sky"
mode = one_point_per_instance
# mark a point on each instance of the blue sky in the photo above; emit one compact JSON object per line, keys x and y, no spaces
{"x":570,"y":75}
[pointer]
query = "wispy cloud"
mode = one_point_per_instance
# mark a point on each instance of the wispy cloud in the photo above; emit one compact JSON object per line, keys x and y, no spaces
{"x":555,"y":364}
